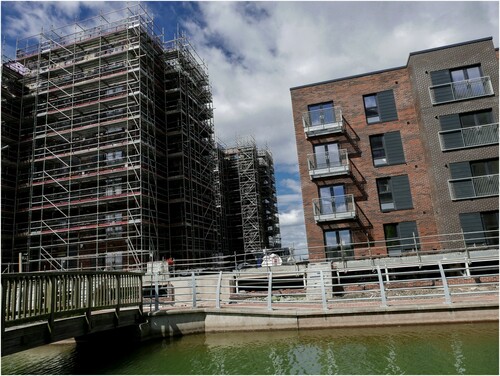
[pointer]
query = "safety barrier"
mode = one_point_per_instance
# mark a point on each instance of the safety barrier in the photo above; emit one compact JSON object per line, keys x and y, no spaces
{"x":328,"y":286}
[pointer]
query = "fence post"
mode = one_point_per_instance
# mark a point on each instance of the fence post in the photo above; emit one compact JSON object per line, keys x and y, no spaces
{"x":157,"y":293}
{"x":465,"y":244}
{"x":270,"y":291}
{"x":88,"y":312}
{"x":52,"y":311}
{"x":5,"y":282}
{"x":323,"y":291}
{"x":447,"y":296}
{"x":193,"y":286}
{"x":118,"y":297}
{"x":416,"y":248}
{"x":382,"y":289}
{"x":217,"y":291}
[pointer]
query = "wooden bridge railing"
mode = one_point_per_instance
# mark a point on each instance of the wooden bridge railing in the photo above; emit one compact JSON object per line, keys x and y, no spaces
{"x":46,"y":296}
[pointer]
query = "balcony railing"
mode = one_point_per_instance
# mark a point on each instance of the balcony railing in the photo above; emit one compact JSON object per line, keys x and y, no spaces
{"x":336,"y":208}
{"x":459,"y":90}
{"x":469,"y":137}
{"x":323,"y":122}
{"x":474,"y":187}
{"x":328,"y":164}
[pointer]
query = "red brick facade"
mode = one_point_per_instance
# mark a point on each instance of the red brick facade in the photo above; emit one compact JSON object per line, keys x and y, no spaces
{"x":347,"y":93}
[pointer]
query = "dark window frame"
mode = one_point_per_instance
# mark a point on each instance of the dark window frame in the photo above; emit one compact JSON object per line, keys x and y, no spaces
{"x":372,"y":108}
{"x":389,"y":192}
{"x":334,"y":251}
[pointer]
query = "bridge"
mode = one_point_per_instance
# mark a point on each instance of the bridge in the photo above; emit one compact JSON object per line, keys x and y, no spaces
{"x":461,"y":284}
{"x":40,"y":308}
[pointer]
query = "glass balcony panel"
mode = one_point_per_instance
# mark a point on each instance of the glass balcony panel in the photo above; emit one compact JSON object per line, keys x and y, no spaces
{"x":464,"y":89}
{"x":469,"y":137}
{"x":323,"y":121}
{"x":331,"y":163}
{"x":335,"y":208}
{"x":474,"y":187}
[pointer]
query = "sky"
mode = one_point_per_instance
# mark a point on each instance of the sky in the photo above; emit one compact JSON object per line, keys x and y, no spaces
{"x":257,"y":51}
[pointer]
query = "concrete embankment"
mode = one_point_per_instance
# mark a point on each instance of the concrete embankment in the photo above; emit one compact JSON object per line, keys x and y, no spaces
{"x":205,"y":320}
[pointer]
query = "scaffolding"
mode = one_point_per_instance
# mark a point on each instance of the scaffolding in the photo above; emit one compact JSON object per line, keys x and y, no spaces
{"x":191,"y":156}
{"x":12,"y":92}
{"x":117,"y":161}
{"x":250,"y":198}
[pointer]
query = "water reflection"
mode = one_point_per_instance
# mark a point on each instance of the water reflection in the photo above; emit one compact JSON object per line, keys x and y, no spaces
{"x":446,"y":349}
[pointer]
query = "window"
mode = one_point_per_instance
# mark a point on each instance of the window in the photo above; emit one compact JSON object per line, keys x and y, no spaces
{"x":380,"y":107}
{"x":327,"y":155}
{"x":474,"y":179}
{"x":321,"y":113}
{"x":333,"y":199}
{"x":459,"y":83}
{"x":480,"y":228}
{"x":371,"y":108}
{"x":338,"y":244}
{"x":470,"y":129}
{"x":401,"y":237}
{"x":394,"y":193}
{"x":387,"y":149}
{"x":486,"y":167}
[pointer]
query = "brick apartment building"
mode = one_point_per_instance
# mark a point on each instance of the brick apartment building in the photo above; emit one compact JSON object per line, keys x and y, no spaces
{"x":400,"y":154}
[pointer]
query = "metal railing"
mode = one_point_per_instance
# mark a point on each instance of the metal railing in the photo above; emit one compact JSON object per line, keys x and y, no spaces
{"x":334,"y":208}
{"x":479,"y":135}
{"x":325,"y":286}
{"x":328,"y":163}
{"x":324,"y":121}
{"x":473,"y":187}
{"x":454,"y":91}
{"x":28,"y":297}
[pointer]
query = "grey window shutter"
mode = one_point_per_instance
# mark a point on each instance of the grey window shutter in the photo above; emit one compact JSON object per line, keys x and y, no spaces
{"x":387,"y":106}
{"x":406,"y":232}
{"x":451,"y":122}
{"x":394,"y":148}
{"x":472,"y":227}
{"x":442,"y":93}
{"x":401,"y":193}
{"x":461,"y":188}
{"x":460,"y":170}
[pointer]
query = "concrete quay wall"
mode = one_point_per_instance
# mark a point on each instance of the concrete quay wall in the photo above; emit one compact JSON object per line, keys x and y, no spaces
{"x":208,"y":320}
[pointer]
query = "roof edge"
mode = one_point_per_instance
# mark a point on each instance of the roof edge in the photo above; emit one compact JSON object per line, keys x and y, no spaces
{"x":347,"y":77}
{"x":449,"y":46}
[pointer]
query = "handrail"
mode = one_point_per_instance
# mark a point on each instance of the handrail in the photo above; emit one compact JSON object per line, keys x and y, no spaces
{"x":325,"y":120}
{"x":335,"y":207}
{"x":474,"y":187}
{"x":326,"y":286}
{"x":28,"y":297}
{"x":479,"y":135}
{"x":459,"y":90}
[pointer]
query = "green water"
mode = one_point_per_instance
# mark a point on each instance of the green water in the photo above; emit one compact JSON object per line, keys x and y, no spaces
{"x":443,"y":349}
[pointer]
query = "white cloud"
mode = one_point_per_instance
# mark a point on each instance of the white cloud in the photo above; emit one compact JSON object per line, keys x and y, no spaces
{"x":291,"y":218}
{"x":291,"y":184}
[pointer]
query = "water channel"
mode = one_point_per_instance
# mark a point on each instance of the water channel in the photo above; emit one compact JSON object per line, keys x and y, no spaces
{"x":432,"y":349}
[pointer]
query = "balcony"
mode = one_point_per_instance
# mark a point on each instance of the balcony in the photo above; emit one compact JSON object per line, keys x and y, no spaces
{"x":463,"y":138}
{"x":328,"y":164}
{"x":337,"y":208}
{"x":323,"y":122}
{"x":460,"y":90}
{"x":474,"y":187}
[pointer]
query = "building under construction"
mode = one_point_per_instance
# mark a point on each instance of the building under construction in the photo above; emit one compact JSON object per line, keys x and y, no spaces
{"x":116,"y":165}
{"x":108,"y":153}
{"x":249,"y":202}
